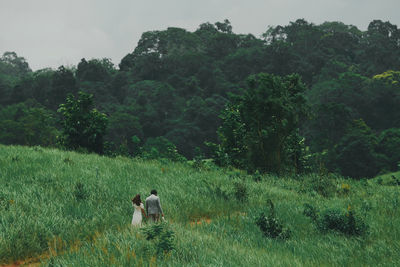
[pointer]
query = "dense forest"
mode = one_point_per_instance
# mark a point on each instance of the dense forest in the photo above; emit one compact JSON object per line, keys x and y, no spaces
{"x":300,"y":97}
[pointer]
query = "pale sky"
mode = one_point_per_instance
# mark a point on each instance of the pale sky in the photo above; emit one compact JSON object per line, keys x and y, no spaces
{"x":50,"y":33}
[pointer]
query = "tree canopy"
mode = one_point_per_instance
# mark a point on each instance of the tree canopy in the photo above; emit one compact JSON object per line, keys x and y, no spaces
{"x":179,"y":85}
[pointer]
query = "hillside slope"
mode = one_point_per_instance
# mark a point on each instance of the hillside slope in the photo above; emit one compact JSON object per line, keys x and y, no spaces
{"x":64,"y":208}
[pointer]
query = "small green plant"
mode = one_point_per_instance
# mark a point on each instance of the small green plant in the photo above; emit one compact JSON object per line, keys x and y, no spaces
{"x":271,"y":226}
{"x":394,"y":181}
{"x":161,"y":235}
{"x":166,"y":242}
{"x":347,"y":222}
{"x":80,"y":192}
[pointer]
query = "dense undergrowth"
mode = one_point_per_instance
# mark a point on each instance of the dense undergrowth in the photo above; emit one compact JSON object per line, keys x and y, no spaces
{"x":70,"y":209}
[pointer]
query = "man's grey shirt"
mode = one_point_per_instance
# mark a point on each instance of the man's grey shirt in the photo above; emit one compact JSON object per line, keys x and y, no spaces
{"x":153,"y":205}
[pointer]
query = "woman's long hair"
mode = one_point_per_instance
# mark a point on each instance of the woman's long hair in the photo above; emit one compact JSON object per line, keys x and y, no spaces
{"x":136,"y":200}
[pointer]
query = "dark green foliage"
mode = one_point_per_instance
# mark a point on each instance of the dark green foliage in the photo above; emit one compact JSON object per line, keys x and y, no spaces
{"x":348,"y":223}
{"x":166,"y":242}
{"x":63,"y":84}
{"x":161,"y":236}
{"x":355,"y":155}
{"x":124,"y":131}
{"x":13,"y":65}
{"x":328,"y":125}
{"x":176,"y":83}
{"x":271,"y":226}
{"x":389,"y":145}
{"x":83,"y":126}
{"x":27,"y":123}
{"x":258,"y":125}
{"x":95,"y":70}
{"x":395,"y":181}
{"x":153,"y":230}
{"x":160,"y":147}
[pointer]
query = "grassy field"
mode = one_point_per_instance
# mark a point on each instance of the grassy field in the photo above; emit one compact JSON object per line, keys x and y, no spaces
{"x":67,"y":209}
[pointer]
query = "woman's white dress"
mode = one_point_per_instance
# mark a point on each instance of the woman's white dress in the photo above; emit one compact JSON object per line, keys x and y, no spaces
{"x":137,"y":214}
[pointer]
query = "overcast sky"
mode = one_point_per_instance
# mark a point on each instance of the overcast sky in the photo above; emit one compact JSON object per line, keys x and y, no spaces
{"x":50,"y":33}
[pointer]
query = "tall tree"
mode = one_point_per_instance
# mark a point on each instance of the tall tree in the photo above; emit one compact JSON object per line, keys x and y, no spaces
{"x":83,"y":126}
{"x":260,"y":123}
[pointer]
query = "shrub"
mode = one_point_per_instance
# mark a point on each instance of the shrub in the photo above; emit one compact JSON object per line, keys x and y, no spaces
{"x":394,"y":181}
{"x":271,"y":226}
{"x":161,"y":236}
{"x":347,"y":223}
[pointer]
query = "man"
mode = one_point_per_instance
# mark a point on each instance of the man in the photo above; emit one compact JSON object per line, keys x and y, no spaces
{"x":153,"y":206}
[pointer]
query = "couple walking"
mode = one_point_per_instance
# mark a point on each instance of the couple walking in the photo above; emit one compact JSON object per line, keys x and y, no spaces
{"x":153,"y":209}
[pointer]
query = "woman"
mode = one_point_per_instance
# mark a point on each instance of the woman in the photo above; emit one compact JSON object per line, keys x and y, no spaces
{"x":138,"y":211}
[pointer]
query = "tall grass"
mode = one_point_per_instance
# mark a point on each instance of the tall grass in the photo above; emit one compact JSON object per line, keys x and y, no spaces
{"x":74,"y":209}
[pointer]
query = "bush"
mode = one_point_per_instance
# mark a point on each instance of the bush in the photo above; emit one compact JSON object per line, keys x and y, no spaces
{"x":394,"y":181}
{"x":271,"y":226}
{"x":161,"y":236}
{"x":347,"y":223}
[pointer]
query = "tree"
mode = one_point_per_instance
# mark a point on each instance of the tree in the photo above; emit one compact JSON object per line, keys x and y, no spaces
{"x":123,"y":126}
{"x":384,"y":98}
{"x":161,"y":147}
{"x":27,"y":123}
{"x":95,"y":70}
{"x":258,"y":125}
{"x":63,"y":83}
{"x":83,"y":126}
{"x":380,"y":48}
{"x":355,"y":155}
{"x":328,"y":125}
{"x":12,"y":64}
{"x":389,"y":145}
